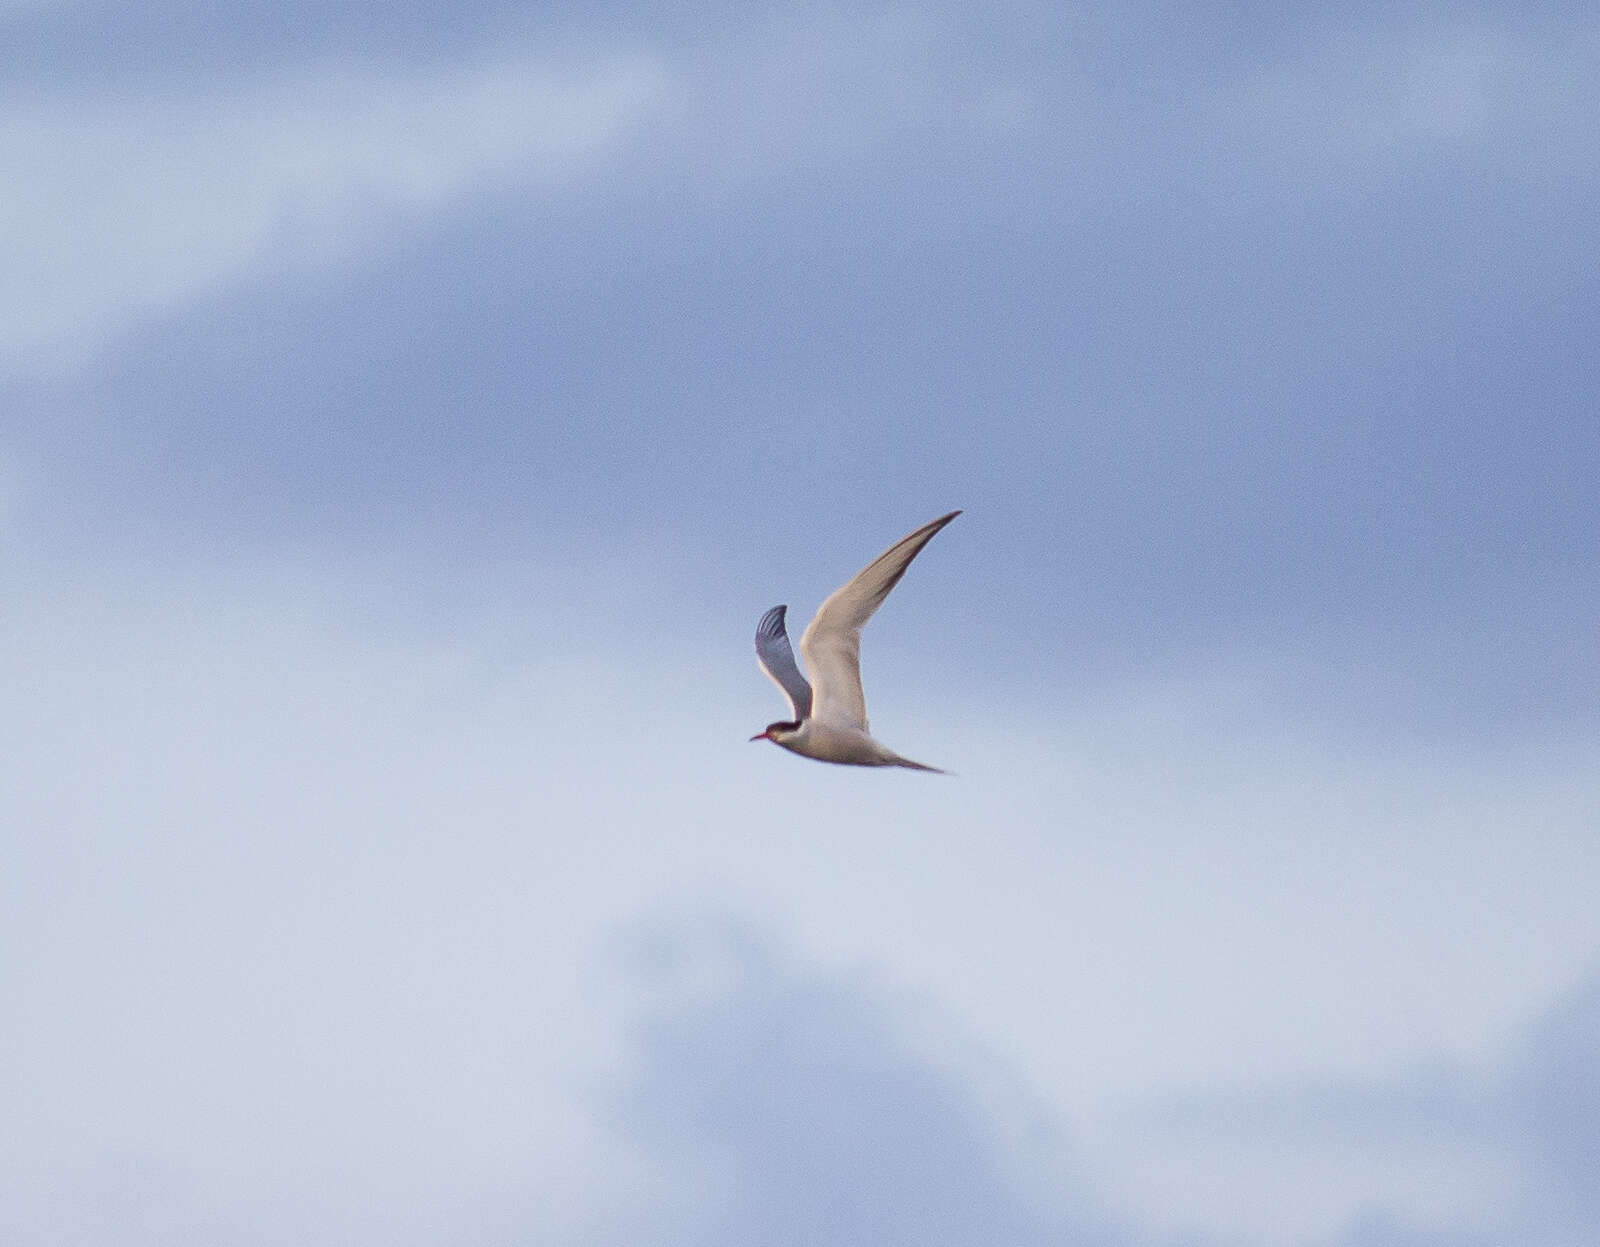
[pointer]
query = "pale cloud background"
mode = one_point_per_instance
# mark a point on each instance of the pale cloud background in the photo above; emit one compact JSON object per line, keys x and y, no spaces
{"x":300,"y":169}
{"x":409,"y":416}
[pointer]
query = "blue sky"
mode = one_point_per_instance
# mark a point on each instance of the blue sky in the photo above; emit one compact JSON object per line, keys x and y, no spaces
{"x":408,"y":416}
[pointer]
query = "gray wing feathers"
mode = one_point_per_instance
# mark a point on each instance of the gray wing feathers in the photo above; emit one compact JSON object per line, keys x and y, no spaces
{"x":777,"y":660}
{"x":832,"y":643}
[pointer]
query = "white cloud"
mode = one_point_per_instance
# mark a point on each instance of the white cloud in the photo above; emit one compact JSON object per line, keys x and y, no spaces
{"x":124,"y":204}
{"x":135,"y":202}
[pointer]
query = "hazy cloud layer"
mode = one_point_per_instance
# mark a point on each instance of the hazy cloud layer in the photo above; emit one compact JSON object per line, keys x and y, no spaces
{"x":1501,"y":1150}
{"x":137,"y":203}
{"x":801,"y":1109}
{"x":312,"y":915}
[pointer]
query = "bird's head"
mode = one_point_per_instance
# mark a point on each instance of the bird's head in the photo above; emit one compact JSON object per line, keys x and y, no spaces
{"x":777,"y":733}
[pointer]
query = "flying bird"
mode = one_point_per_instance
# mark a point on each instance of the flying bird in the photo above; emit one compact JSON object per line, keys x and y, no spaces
{"x":830,"y":718}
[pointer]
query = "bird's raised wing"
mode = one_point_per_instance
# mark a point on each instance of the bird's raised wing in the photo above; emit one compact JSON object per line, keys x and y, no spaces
{"x":777,"y":660}
{"x":832,"y":642}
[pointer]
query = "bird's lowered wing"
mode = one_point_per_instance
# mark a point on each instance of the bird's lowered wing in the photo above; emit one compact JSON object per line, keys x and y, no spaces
{"x":832,"y":643}
{"x":777,"y":660}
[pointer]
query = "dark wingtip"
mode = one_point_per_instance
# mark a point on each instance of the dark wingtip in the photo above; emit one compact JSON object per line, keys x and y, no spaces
{"x":933,"y":526}
{"x":772,"y":622}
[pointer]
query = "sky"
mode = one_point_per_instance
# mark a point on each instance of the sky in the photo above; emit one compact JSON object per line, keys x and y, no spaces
{"x":406,"y":415}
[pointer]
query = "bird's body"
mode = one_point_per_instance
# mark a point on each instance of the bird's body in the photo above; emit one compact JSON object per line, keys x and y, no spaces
{"x":828,"y":743}
{"x":830,"y":717}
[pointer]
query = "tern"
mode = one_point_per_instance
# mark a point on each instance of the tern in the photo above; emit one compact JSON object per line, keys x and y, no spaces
{"x":830,"y":719}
